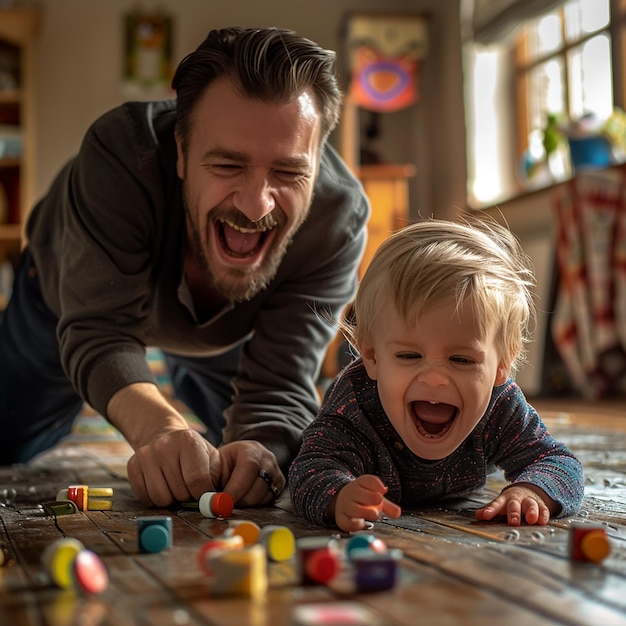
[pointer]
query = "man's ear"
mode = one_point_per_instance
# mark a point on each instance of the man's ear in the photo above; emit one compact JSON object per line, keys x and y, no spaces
{"x":368,"y":354}
{"x":180,"y":154}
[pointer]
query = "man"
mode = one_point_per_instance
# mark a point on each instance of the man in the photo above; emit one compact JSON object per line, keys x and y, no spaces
{"x":221,"y":228}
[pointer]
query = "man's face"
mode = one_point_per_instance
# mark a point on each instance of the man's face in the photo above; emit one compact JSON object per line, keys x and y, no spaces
{"x":248,"y":169}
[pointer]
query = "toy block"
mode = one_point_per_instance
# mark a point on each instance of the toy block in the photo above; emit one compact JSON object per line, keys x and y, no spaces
{"x":318,"y":559}
{"x":588,"y":544}
{"x":249,"y":531}
{"x":216,"y":504}
{"x":375,"y":571}
{"x":87,"y":498}
{"x":154,"y":533}
{"x":71,"y":566}
{"x":365,"y":541}
{"x":57,"y":559}
{"x":279,"y":542}
{"x":208,"y":549}
{"x":237,"y":572}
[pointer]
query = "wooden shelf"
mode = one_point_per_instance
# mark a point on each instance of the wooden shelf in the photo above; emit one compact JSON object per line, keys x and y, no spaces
{"x":10,"y":232}
{"x":10,"y":96}
{"x":18,"y":28}
{"x":10,"y":162}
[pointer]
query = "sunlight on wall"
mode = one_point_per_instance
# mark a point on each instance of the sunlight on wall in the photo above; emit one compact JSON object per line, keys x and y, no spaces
{"x":485,"y":136}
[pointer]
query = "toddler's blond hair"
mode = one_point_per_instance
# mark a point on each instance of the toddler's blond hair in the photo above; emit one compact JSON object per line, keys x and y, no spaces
{"x":475,"y":261}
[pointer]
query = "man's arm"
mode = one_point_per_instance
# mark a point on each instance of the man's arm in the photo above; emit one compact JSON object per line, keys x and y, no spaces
{"x":174,"y":463}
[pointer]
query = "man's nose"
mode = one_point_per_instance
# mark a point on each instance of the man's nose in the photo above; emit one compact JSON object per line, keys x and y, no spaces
{"x":255,"y":198}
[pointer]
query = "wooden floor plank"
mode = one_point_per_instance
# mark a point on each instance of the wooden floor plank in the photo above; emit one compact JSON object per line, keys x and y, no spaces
{"x":455,"y":570}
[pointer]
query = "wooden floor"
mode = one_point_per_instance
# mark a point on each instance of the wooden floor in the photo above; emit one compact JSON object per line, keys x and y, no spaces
{"x":454,"y":570}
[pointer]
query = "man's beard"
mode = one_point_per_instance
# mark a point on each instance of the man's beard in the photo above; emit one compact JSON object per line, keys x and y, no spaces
{"x":238,"y":284}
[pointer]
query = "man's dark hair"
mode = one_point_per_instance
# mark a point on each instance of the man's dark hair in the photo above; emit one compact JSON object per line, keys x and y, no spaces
{"x":269,"y":64}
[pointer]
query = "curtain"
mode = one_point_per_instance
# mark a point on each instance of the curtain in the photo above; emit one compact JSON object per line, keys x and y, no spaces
{"x":589,"y":319}
{"x":490,"y":21}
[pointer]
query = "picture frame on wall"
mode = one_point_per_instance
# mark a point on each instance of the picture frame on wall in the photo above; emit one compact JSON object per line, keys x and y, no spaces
{"x":147,"y":51}
{"x":384,"y":52}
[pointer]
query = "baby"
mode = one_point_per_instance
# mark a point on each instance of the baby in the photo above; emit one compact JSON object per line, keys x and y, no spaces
{"x":440,"y":322}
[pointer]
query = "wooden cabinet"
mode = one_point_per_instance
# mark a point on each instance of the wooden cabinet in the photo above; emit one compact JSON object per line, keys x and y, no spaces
{"x":387,"y":188}
{"x":388,"y":191}
{"x":18,"y":28}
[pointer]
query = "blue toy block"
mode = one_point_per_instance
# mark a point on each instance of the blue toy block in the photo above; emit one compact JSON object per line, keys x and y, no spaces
{"x":154,"y":533}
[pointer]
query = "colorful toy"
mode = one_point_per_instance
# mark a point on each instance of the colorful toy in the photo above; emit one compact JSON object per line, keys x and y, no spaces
{"x":375,"y":571}
{"x":216,"y":504}
{"x":318,"y":560}
{"x":86,"y":498}
{"x":89,"y":573}
{"x":237,"y":572}
{"x":588,"y":544}
{"x":279,"y":542}
{"x":71,"y":566}
{"x":234,"y":542}
{"x":364,"y":541}
{"x":60,"y":507}
{"x":154,"y":533}
{"x":57,"y":559}
{"x":249,"y":531}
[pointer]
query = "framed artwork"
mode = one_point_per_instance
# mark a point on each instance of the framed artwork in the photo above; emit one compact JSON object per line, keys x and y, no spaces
{"x":147,"y":49}
{"x":384,"y":53}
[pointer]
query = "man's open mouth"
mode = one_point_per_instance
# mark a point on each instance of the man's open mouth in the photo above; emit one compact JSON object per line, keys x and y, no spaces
{"x":241,"y":241}
{"x":433,"y":419}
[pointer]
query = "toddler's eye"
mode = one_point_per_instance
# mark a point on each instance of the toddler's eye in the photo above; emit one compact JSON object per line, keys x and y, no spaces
{"x":461,"y":360}
{"x":408,"y":355}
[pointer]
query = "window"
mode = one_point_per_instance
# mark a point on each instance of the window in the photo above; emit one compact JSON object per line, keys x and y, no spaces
{"x":559,"y":67}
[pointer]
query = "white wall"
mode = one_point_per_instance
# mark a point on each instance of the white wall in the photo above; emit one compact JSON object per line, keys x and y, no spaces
{"x":79,"y":63}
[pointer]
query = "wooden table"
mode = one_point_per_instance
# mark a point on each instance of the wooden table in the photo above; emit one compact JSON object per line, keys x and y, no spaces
{"x":454,"y":570}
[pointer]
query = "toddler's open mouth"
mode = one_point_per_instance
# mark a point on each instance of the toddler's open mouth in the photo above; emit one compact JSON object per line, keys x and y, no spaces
{"x":433,"y":419}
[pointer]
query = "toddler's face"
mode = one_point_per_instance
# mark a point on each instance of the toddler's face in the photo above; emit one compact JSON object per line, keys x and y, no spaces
{"x":435,"y":378}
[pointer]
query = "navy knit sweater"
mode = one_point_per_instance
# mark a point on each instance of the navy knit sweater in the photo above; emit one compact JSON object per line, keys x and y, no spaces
{"x":352,"y":436}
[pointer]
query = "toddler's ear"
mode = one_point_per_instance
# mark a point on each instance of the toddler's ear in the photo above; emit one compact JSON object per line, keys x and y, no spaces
{"x":503,"y":373}
{"x":368,"y":354}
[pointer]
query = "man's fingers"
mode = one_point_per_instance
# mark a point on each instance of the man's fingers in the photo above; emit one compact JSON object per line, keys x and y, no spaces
{"x":137,"y":480}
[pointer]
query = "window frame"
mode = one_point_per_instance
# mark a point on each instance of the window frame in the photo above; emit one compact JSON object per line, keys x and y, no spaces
{"x":522,"y":67}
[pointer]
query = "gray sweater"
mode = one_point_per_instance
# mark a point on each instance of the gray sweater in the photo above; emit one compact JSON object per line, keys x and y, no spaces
{"x":108,"y":243}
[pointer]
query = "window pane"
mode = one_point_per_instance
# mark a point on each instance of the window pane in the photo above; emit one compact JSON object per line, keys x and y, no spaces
{"x":585,"y":16}
{"x":544,"y":36}
{"x":546,"y":92}
{"x":485,"y":154}
{"x":590,"y":78}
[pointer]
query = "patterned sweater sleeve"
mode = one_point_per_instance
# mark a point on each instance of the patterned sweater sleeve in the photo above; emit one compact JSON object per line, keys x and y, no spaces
{"x":337,"y":446}
{"x":330,"y":458}
{"x":527,"y":453}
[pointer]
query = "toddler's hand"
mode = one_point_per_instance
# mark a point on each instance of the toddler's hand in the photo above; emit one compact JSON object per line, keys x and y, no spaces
{"x":363,"y":500}
{"x":521,"y":502}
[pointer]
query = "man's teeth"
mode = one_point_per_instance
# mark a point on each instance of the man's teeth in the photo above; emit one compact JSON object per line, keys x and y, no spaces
{"x":258,"y":227}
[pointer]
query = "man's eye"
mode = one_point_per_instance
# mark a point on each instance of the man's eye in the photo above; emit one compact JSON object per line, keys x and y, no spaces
{"x":226,"y":167}
{"x":288,"y":175}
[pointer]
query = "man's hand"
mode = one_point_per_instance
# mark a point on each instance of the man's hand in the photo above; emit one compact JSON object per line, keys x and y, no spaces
{"x":241,"y":462}
{"x":521,"y":502}
{"x":175,"y":466}
{"x":362,"y":500}
{"x":173,"y":462}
